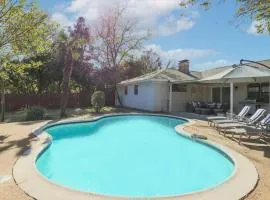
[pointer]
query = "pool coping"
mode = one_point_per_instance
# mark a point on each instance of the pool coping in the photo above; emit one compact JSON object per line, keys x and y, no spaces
{"x":243,"y":180}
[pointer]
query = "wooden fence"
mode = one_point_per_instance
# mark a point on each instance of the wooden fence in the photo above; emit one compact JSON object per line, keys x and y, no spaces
{"x":52,"y":100}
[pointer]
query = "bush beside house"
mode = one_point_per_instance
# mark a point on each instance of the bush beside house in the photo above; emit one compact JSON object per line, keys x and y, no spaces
{"x":98,"y":100}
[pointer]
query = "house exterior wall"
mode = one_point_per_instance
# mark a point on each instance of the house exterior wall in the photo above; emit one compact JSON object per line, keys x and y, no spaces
{"x":151,"y":96}
{"x":239,"y":94}
{"x":155,"y":96}
{"x":198,"y":93}
{"x":161,"y":96}
{"x":179,"y":101}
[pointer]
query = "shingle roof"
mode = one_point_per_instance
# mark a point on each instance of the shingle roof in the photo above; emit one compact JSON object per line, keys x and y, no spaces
{"x":239,"y":73}
{"x":161,"y":75}
{"x":217,"y":70}
{"x":173,"y":75}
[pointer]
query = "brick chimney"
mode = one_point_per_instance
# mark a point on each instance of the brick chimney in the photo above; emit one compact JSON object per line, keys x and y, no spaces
{"x":183,"y":66}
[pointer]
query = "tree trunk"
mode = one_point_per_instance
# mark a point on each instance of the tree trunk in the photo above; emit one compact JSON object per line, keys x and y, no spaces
{"x":118,"y":97}
{"x":67,"y":71}
{"x":2,"y":100}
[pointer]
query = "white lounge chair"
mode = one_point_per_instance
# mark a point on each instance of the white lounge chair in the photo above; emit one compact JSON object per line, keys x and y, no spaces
{"x":261,"y":129}
{"x":240,"y":115}
{"x":253,"y":120}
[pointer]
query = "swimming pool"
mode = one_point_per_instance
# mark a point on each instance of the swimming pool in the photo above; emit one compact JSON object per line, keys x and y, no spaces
{"x":133,"y":156}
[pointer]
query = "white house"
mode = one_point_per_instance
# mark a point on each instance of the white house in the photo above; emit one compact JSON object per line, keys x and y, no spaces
{"x":169,"y":90}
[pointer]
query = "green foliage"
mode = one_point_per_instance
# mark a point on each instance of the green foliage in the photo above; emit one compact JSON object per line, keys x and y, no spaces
{"x":26,"y":32}
{"x":98,"y":100}
{"x":26,"y":29}
{"x":256,"y":10}
{"x":35,"y":113}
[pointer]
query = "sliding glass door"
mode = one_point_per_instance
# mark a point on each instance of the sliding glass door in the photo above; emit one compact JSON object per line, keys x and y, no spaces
{"x":221,"y":94}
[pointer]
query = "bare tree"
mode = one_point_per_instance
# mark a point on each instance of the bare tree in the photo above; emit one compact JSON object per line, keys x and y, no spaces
{"x":150,"y":61}
{"x":169,"y":63}
{"x":117,"y":36}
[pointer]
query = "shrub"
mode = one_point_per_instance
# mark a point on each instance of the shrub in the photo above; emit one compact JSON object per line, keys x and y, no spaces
{"x":98,"y":100}
{"x":35,"y":113}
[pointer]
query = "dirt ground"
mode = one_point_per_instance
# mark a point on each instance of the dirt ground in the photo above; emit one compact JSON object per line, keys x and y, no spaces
{"x":15,"y":138}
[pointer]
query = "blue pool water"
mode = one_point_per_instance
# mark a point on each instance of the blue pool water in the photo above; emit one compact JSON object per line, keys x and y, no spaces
{"x":131,"y":156}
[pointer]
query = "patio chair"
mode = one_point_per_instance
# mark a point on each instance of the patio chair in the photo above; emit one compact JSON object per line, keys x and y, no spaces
{"x":237,"y":118}
{"x":252,"y":121}
{"x":218,"y":109}
{"x":261,"y":129}
{"x":202,"y":108}
{"x":242,"y":113}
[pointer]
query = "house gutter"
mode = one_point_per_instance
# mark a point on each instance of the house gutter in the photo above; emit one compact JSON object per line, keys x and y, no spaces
{"x":170,"y":96}
{"x":143,"y":81}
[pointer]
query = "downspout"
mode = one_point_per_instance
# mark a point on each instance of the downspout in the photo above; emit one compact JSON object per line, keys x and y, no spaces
{"x":231,"y":99}
{"x":170,"y":97}
{"x":118,"y":97}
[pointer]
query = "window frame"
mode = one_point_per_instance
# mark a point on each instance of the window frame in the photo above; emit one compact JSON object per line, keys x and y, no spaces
{"x":136,"y":89}
{"x":219,"y":92}
{"x":261,"y":95}
{"x":179,"y":88}
{"x":126,"y":90}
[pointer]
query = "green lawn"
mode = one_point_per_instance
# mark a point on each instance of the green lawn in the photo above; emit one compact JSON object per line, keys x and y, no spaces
{"x":53,"y":114}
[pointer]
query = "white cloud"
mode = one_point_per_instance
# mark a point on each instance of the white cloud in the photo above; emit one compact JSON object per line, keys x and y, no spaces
{"x":140,"y":8}
{"x":172,"y":25}
{"x":252,"y":29}
{"x":148,"y":12}
{"x":62,"y":19}
{"x":180,"y":54}
{"x":212,"y":64}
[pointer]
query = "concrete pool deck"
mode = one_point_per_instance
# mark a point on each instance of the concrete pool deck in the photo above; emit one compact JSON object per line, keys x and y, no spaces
{"x":243,"y":180}
{"x":39,"y":188}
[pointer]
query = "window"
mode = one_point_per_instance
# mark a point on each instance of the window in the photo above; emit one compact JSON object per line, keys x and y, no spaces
{"x":253,"y":91}
{"x":216,"y":95}
{"x":179,"y":88}
{"x":265,"y":92}
{"x":226,"y":95}
{"x":259,"y":92}
{"x":136,"y":89}
{"x":126,"y":90}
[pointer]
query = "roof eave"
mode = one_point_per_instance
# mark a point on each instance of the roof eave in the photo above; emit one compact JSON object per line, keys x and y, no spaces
{"x":142,"y":81}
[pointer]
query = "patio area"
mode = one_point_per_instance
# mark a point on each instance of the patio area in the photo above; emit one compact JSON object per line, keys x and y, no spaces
{"x":222,"y":90}
{"x":15,"y":138}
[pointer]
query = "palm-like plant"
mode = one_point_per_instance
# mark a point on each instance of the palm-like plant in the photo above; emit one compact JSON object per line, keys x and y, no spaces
{"x":73,"y":47}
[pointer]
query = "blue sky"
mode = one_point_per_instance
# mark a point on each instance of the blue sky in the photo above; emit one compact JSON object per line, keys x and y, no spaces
{"x":207,"y":38}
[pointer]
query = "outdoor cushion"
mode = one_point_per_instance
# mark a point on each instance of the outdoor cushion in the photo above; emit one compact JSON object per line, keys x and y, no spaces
{"x":195,"y":105}
{"x":216,"y":118}
{"x":237,"y":131}
{"x":217,"y":110}
{"x":211,"y":105}
{"x":230,"y":125}
{"x":222,"y":121}
{"x":205,"y":111}
{"x":219,"y":105}
{"x":198,"y":110}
